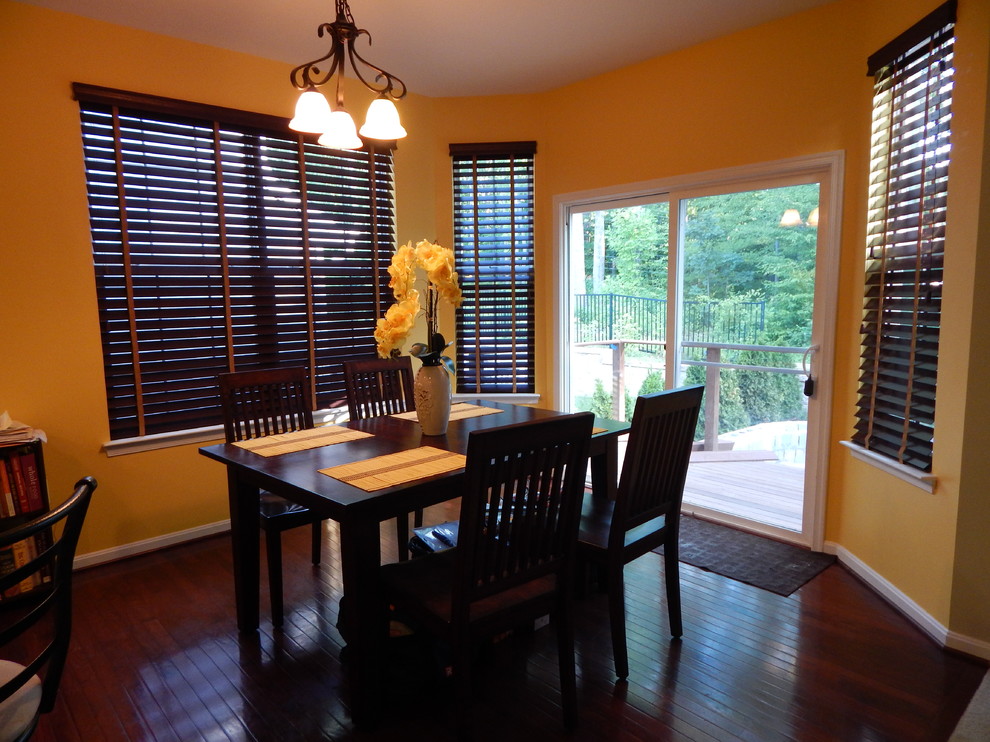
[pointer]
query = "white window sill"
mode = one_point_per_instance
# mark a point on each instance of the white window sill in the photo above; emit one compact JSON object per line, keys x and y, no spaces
{"x":921,"y":480}
{"x":140,"y":444}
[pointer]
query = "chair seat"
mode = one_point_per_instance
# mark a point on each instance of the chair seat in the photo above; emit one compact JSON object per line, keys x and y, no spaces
{"x":425,"y":582}
{"x":283,"y":514}
{"x":18,"y":713}
{"x":596,"y":521}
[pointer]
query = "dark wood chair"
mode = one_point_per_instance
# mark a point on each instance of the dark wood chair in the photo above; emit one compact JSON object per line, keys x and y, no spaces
{"x":383,"y":386}
{"x":646,"y":511}
{"x":523,"y":485}
{"x":267,"y":402}
{"x":35,"y":627}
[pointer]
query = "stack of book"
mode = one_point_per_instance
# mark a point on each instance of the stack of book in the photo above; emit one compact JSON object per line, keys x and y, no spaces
{"x":22,"y":493}
{"x":20,"y":482}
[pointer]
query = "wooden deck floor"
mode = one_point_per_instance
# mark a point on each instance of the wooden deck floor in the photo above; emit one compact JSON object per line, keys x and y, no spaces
{"x":770,"y":492}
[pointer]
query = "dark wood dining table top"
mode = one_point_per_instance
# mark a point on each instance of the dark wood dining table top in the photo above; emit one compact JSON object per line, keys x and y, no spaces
{"x":297,"y":475}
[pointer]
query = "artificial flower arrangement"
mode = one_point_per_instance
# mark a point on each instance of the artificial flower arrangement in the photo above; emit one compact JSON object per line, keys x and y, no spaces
{"x":441,"y":283}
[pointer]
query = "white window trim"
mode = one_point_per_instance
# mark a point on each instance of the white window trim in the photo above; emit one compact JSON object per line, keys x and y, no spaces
{"x":922,"y":480}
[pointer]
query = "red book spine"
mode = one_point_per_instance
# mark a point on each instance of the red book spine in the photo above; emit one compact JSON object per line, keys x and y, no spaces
{"x":20,"y":485}
{"x":32,"y":481}
{"x":6,"y":493}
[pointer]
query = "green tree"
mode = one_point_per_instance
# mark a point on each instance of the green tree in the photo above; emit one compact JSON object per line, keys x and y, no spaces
{"x":601,"y":400}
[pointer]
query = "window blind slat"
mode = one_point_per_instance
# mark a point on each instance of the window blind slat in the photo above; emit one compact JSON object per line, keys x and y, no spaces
{"x":895,"y":412}
{"x":246,"y":248}
{"x":493,"y":244}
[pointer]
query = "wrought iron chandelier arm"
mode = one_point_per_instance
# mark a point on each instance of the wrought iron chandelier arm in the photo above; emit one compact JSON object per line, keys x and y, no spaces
{"x":393,"y":87}
{"x":308,"y":75}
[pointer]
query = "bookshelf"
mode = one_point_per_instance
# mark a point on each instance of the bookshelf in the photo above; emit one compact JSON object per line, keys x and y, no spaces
{"x":23,"y":496}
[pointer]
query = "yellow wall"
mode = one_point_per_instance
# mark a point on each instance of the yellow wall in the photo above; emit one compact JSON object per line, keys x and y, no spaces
{"x":52,"y":373}
{"x":792,"y":87}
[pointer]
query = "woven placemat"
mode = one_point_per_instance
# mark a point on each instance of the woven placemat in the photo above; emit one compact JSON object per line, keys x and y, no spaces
{"x":397,"y":468}
{"x":301,"y":440}
{"x":458,"y":411}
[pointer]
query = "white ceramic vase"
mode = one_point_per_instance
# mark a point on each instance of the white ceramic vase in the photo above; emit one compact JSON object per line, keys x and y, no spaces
{"x":432,"y":393}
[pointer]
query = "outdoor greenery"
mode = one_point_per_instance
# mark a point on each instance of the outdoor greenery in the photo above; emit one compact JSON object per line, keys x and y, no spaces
{"x":735,"y":251}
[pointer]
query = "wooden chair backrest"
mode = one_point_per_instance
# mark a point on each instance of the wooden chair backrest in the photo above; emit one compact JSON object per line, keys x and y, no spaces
{"x":35,"y":633}
{"x":265,"y":402}
{"x":521,"y":504}
{"x":657,"y":457}
{"x":379,"y":386}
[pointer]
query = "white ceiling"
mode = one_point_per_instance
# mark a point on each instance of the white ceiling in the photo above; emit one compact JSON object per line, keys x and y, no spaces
{"x":453,"y":47}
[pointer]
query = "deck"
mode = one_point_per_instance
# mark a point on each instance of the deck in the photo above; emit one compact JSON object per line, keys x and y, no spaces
{"x":747,"y":486}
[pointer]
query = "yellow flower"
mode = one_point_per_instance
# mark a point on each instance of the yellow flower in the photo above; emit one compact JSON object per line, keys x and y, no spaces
{"x":393,"y":328}
{"x":438,"y":262}
{"x":402,"y":271}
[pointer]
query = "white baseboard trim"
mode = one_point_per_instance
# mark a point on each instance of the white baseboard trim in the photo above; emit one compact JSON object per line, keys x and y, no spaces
{"x":152,"y":544}
{"x":911,"y":610}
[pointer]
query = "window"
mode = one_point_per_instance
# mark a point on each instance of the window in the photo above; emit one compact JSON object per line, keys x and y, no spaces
{"x":493,"y":248}
{"x":222,"y":241}
{"x":895,"y":415}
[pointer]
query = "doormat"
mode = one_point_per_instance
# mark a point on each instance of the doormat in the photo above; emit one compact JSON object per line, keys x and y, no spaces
{"x":762,"y":562}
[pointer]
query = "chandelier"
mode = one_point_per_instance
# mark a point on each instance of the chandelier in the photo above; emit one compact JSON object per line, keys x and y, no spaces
{"x":334,"y":124}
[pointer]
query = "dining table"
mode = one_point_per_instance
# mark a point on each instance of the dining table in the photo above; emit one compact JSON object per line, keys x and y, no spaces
{"x":315,"y":469}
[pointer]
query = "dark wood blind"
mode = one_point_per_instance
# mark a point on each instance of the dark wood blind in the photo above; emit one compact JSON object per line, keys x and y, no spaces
{"x":895,"y":415}
{"x":493,"y":246}
{"x":222,"y":245}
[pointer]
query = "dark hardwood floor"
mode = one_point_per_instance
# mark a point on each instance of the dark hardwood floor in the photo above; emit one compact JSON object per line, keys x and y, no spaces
{"x":156,"y":656}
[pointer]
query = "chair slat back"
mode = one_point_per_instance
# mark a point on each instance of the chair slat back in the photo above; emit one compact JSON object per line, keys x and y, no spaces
{"x":657,"y":456}
{"x":265,"y":402}
{"x":521,"y":503}
{"x":42,"y":621}
{"x":379,"y":386}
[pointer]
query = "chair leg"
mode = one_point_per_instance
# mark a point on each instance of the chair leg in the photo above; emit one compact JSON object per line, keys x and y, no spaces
{"x":418,"y":517}
{"x":402,"y":535}
{"x":317,"y":540}
{"x":273,"y":547}
{"x":461,"y":665}
{"x":617,"y":619}
{"x":672,"y":580}
{"x":565,"y":660}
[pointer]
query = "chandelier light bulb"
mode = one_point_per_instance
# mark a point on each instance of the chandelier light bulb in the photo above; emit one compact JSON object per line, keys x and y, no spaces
{"x":382,"y":121}
{"x":791,"y":218}
{"x":341,"y":133}
{"x":312,"y":113}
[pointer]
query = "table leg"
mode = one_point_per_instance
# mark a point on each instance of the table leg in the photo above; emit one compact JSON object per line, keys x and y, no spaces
{"x":244,"y":525}
{"x":364,"y":627}
{"x":605,"y":469}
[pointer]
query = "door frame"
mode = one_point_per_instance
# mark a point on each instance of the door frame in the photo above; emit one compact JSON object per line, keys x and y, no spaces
{"x":827,"y":168}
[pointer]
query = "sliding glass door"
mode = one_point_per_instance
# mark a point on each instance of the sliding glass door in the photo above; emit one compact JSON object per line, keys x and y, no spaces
{"x":717,"y":286}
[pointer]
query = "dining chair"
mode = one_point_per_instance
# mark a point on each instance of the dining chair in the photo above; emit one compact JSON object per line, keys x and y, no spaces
{"x":267,"y":402}
{"x":383,"y":386}
{"x":520,"y":503}
{"x":646,"y":510}
{"x":35,"y":628}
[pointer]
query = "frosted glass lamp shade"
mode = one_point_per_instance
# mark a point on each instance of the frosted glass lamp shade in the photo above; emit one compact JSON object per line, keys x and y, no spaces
{"x":312,"y":113}
{"x":813,"y":217}
{"x":791,"y":218}
{"x":341,"y":133}
{"x":382,"y":121}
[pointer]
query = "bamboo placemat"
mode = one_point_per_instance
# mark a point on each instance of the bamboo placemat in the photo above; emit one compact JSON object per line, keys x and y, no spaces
{"x":596,"y":431}
{"x":396,"y":468}
{"x":301,"y":440}
{"x":458,"y":411}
